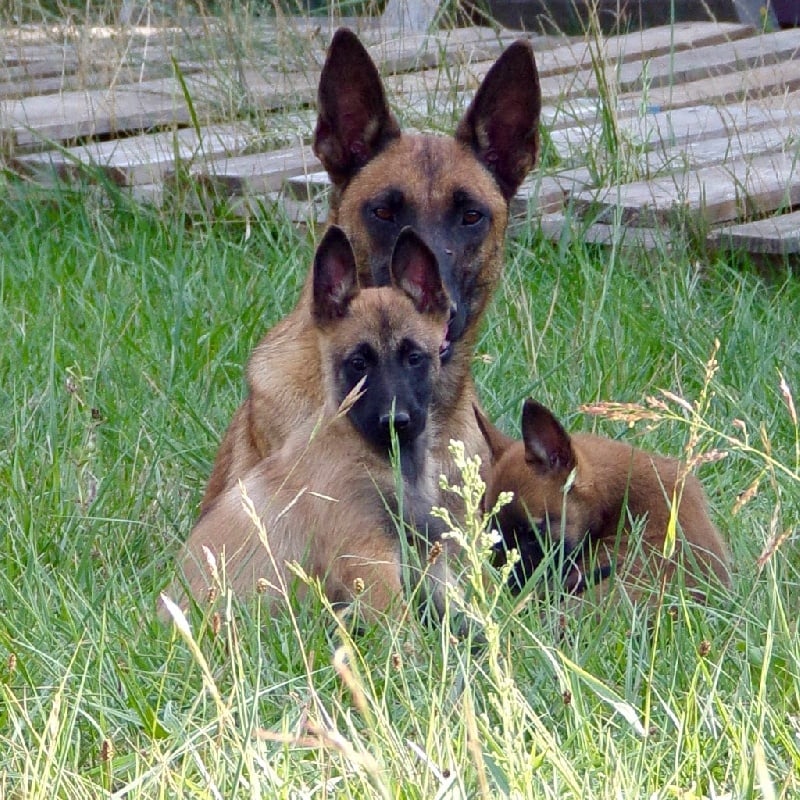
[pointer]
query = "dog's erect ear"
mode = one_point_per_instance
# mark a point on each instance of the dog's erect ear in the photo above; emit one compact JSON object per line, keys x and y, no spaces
{"x":335,"y":276}
{"x":414,"y":269}
{"x":547,"y":445}
{"x":501,"y":125}
{"x":353,"y":119}
{"x":498,"y":442}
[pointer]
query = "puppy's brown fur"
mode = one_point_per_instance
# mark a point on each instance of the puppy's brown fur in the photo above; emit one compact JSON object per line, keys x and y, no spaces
{"x":612,"y":485}
{"x":454,"y":192}
{"x":328,"y":497}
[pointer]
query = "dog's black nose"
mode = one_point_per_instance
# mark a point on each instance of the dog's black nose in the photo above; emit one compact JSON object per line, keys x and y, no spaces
{"x":400,"y":420}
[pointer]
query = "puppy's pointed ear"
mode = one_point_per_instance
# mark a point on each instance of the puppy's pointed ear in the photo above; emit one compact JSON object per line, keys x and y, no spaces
{"x":498,"y":442}
{"x":501,"y":125}
{"x":415,"y":270}
{"x":335,"y":276}
{"x":354,"y":122}
{"x":547,"y":445}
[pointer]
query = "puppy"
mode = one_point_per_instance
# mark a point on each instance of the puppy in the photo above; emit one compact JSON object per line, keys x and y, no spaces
{"x":331,"y":499}
{"x":607,"y":505}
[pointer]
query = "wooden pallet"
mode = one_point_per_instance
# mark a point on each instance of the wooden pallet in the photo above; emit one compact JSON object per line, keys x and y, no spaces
{"x":703,"y":118}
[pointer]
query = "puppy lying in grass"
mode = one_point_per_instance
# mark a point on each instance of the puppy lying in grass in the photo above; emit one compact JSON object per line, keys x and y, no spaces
{"x":619,"y":514}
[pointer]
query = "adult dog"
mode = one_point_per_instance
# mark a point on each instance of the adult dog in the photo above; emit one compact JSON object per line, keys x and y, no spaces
{"x":453,"y":191}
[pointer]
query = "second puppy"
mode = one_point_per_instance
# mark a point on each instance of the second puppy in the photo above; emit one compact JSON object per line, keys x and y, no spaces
{"x":329,"y":498}
{"x":605,"y":503}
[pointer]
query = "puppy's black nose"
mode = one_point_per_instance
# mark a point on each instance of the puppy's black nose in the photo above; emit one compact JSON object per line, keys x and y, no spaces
{"x":400,"y":420}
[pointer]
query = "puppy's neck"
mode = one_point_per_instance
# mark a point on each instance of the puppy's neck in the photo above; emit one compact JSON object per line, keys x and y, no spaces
{"x":415,"y":460}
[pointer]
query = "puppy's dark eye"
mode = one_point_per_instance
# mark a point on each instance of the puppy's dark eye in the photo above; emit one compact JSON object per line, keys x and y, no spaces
{"x":358,"y":364}
{"x":471,"y":217}
{"x":384,"y":214}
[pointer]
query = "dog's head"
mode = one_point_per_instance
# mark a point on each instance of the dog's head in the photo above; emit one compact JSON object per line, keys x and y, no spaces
{"x":381,"y":347}
{"x":453,"y":191}
{"x":550,"y":505}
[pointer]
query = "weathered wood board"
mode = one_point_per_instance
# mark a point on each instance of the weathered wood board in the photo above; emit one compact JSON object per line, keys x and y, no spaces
{"x":37,"y":121}
{"x":738,"y":189}
{"x":141,"y":159}
{"x":257,"y":174}
{"x":558,"y":225}
{"x":667,"y":129}
{"x":777,"y":83}
{"x":777,"y":235}
{"x":702,"y":62}
{"x":720,"y":150}
{"x":647,"y":43}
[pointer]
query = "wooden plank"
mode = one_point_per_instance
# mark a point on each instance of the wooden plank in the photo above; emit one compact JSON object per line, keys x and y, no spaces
{"x":269,"y":90}
{"x":669,"y":128}
{"x":776,"y":81}
{"x":410,"y":15}
{"x":712,"y":194}
{"x":769,"y":87}
{"x":702,"y":62}
{"x":777,"y":235}
{"x":556,"y":226}
{"x":545,"y":193}
{"x":559,"y":74}
{"x":71,"y":115}
{"x":82,"y":47}
{"x":259,"y":173}
{"x":668,"y":71}
{"x":407,"y":52}
{"x":308,"y":187}
{"x":703,"y":153}
{"x":100,"y":76}
{"x":140,"y":159}
{"x":647,"y":43}
{"x":36,"y":69}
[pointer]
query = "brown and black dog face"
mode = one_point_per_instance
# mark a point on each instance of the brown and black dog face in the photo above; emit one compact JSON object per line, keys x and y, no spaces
{"x":541,"y":515}
{"x":581,"y":494}
{"x":452,"y":191}
{"x":383,"y":343}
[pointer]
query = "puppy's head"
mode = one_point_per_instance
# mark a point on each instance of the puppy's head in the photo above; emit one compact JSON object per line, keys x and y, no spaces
{"x":542,"y":471}
{"x":381,"y":346}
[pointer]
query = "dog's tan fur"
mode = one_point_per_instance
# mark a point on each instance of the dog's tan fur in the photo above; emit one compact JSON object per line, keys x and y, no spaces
{"x":326,"y":496}
{"x":614,"y":486}
{"x":383,"y":180}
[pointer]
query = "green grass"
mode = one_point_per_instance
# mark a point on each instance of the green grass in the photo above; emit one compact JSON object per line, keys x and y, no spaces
{"x":126,"y":334}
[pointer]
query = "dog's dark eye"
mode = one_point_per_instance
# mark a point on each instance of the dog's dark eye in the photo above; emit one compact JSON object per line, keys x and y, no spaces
{"x":471,"y":217}
{"x":415,"y":358}
{"x":384,"y":214}
{"x":358,"y":364}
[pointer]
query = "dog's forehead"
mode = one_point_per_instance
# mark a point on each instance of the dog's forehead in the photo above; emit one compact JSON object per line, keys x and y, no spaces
{"x":428,"y":170}
{"x":514,"y":474}
{"x":385,"y":317}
